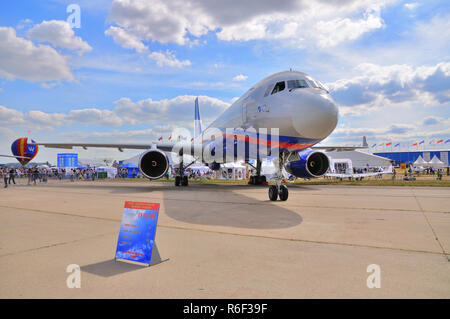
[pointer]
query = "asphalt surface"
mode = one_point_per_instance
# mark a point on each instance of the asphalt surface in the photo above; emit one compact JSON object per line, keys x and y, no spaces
{"x":227,"y":241}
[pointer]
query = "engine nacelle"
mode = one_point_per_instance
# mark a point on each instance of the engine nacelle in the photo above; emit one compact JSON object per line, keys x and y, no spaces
{"x":310,"y":164}
{"x":153,"y":164}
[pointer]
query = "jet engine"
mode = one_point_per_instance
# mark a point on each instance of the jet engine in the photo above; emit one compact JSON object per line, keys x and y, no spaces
{"x":308,"y":164}
{"x":153,"y":164}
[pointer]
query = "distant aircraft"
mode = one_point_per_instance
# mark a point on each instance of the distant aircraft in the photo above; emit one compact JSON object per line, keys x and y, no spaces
{"x":285,"y":114}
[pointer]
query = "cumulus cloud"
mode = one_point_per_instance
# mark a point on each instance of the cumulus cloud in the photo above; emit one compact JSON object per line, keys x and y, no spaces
{"x":348,"y":29}
{"x":168,"y":59}
{"x":321,"y":23}
{"x":395,"y":84}
{"x":240,"y":77}
{"x":20,"y":58}
{"x":60,"y":34}
{"x":126,"y":40}
{"x":176,"y":111}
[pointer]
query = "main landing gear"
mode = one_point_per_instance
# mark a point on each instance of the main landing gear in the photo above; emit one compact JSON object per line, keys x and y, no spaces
{"x":257,"y":179}
{"x":181,"y":179}
{"x":278,"y":190}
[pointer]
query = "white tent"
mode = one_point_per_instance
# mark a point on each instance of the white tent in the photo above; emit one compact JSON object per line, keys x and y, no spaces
{"x":232,"y":171}
{"x":436,"y":162}
{"x":420,"y":162}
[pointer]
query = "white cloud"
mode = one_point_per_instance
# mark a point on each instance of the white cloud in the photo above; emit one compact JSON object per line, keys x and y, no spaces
{"x":331,"y":33}
{"x":39,"y":120}
{"x":240,"y":77}
{"x":60,"y":34}
{"x":126,"y":39}
{"x":300,"y":22}
{"x":175,"y":111}
{"x":412,"y":5}
{"x":168,"y":59}
{"x":20,"y":58}
{"x":381,"y":86}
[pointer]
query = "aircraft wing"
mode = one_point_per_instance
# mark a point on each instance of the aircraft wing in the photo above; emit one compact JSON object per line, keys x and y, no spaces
{"x":166,"y":147}
{"x":338,"y":148}
{"x":342,"y":148}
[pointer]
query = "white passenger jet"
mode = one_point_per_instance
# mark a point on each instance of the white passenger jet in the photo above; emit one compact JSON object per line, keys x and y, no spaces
{"x":285,"y":114}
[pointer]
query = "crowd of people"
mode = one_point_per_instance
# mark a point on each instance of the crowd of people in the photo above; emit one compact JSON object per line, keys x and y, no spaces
{"x":42,"y":174}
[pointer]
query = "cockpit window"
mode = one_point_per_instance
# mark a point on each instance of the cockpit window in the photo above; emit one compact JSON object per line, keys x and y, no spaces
{"x":316,"y":84}
{"x":280,"y":86}
{"x":295,"y":84}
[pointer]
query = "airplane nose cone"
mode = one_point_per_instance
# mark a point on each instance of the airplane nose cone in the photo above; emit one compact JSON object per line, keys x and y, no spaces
{"x":318,"y":118}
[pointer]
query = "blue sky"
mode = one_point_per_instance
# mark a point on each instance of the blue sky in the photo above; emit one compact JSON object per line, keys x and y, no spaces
{"x":133,"y":69}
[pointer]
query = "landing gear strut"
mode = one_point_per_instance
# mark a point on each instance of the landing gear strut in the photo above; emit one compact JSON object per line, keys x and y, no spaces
{"x":257,"y":179}
{"x":182,"y":179}
{"x":278,"y":190}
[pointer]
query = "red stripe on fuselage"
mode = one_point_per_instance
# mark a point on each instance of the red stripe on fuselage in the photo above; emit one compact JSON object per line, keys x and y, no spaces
{"x":260,"y":141}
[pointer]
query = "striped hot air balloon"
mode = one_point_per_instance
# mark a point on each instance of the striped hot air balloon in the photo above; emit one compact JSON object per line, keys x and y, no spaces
{"x":20,"y":147}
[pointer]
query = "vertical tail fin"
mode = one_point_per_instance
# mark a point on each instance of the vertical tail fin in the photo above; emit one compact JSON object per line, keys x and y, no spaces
{"x":197,"y":121}
{"x":364,"y":143}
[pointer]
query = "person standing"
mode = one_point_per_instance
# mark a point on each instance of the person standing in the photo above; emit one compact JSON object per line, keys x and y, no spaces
{"x":5,"y":176}
{"x":29,"y":175}
{"x":12,"y":173}
{"x":35,"y":175}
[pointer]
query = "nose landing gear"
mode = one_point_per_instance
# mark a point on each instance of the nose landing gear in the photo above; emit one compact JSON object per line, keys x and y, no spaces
{"x":278,"y":190}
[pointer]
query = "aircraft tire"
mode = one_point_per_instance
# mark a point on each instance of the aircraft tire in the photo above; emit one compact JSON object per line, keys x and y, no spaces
{"x":184,"y":181}
{"x":273,"y":192}
{"x":177,"y":180}
{"x":284,"y":193}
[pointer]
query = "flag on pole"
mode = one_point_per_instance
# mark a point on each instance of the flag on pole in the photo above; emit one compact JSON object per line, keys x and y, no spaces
{"x":192,"y":139}
{"x":447,"y":140}
{"x":376,"y":145}
{"x":390,"y":143}
{"x":170,"y":137}
{"x":160,"y":138}
{"x":422,"y":142}
{"x":440,"y":141}
{"x":415,"y":144}
{"x":396,"y":144}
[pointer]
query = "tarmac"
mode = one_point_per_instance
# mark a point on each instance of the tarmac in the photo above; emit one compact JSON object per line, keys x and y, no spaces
{"x":227,"y":241}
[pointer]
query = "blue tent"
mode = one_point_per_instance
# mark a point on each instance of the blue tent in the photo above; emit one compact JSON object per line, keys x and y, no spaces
{"x":130,"y":167}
